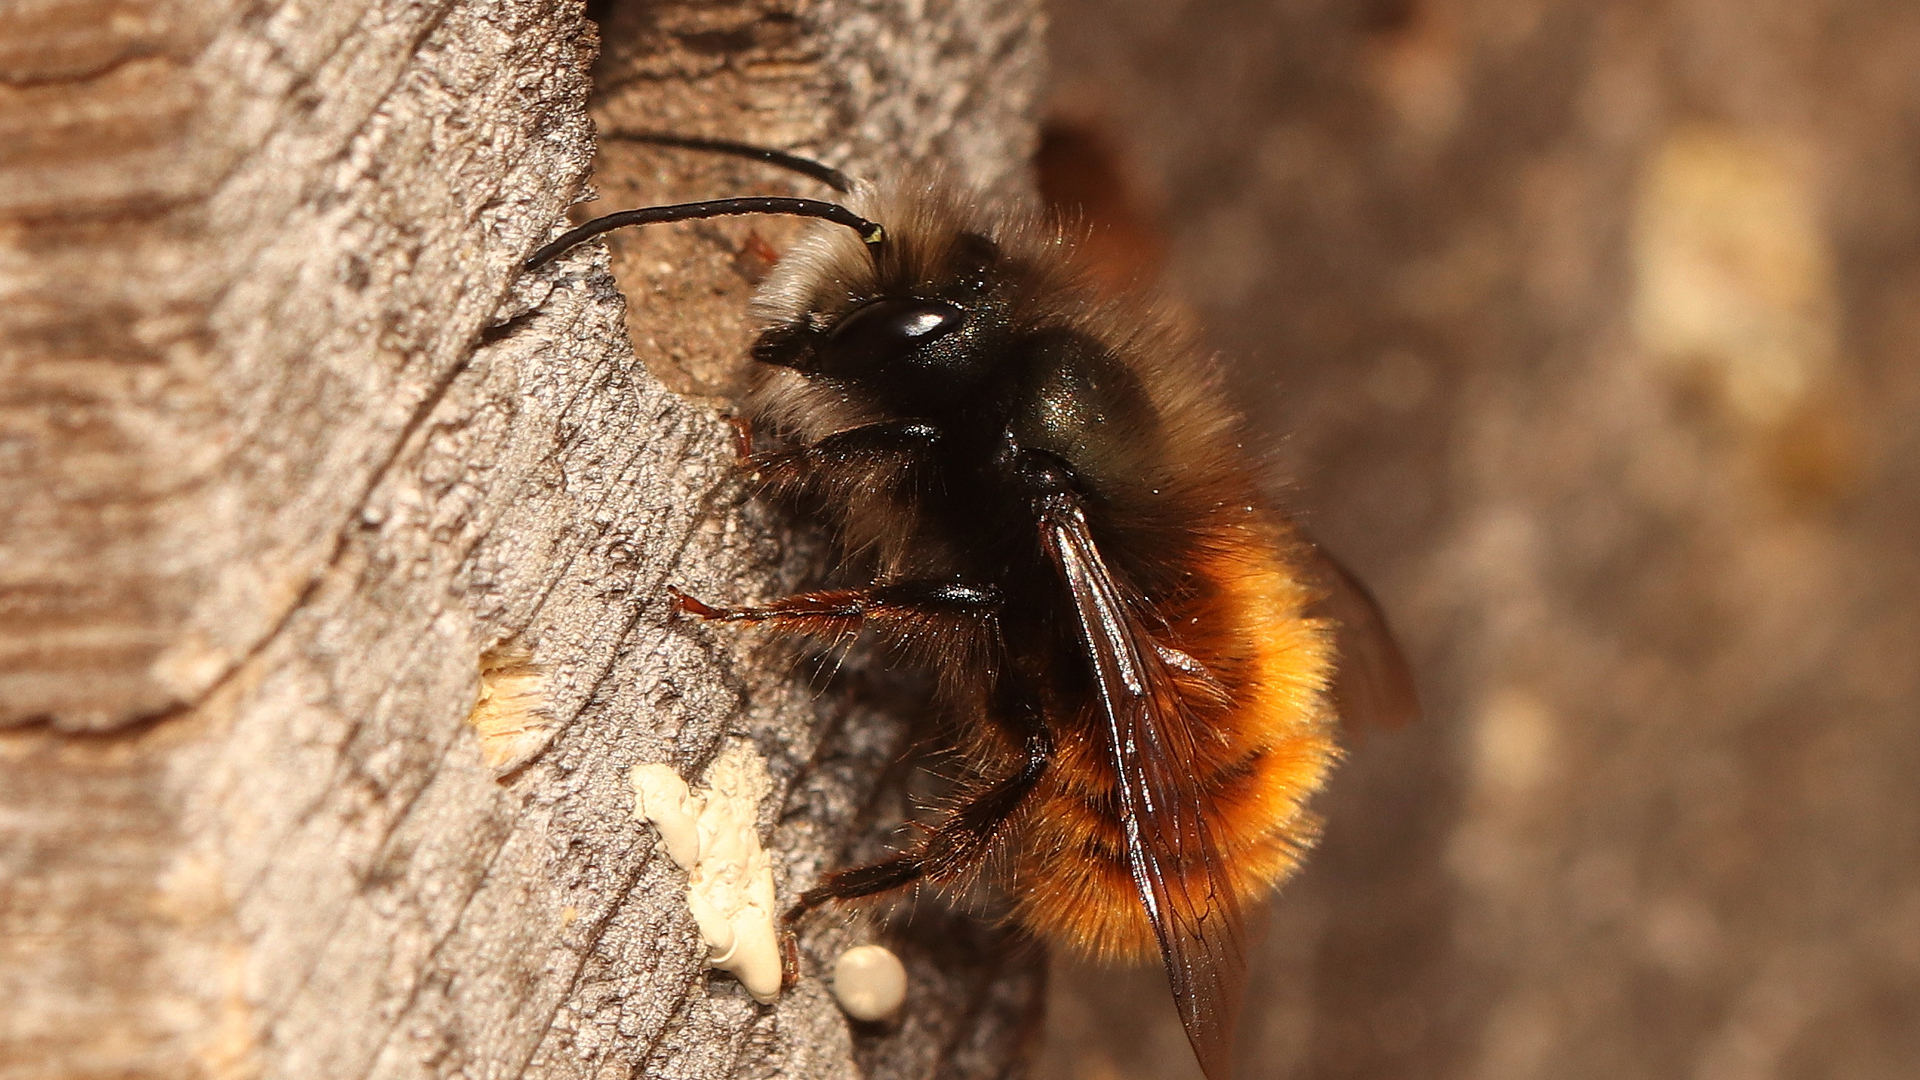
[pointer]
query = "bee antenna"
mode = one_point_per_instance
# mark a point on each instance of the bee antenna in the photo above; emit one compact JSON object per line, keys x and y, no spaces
{"x":870,"y":232}
{"x":808,"y":167}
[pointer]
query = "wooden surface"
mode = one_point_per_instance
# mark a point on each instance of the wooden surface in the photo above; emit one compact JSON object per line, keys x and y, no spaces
{"x":301,"y":475}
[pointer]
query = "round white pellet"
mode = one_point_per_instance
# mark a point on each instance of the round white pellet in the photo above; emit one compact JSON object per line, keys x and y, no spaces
{"x":869,"y":982}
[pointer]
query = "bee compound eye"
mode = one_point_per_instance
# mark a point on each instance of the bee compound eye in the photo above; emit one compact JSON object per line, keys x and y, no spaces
{"x":886,"y":330}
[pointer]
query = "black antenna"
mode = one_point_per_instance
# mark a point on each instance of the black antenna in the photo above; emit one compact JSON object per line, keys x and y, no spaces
{"x":808,"y":167}
{"x":870,"y":232}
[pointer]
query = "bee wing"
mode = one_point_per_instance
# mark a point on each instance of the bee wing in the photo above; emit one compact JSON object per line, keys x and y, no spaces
{"x":1176,"y":864}
{"x":1372,"y":685}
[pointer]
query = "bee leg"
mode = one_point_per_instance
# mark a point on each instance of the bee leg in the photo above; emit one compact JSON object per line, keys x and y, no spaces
{"x":742,"y":438}
{"x":955,"y":845}
{"x":887,"y":442}
{"x":861,"y":881}
{"x":895,"y":609}
{"x":969,"y":834}
{"x":789,"y":959}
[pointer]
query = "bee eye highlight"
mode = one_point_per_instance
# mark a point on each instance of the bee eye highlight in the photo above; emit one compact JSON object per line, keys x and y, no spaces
{"x":884,"y":331}
{"x":921,"y":323}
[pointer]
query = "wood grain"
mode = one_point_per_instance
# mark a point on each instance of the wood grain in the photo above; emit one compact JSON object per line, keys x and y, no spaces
{"x":297,"y":466}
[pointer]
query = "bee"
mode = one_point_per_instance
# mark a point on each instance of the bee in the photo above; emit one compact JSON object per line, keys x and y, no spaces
{"x":1139,"y":661}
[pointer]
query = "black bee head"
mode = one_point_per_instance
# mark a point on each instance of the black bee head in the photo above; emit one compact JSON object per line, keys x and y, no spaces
{"x":932,"y":337}
{"x":890,"y":334}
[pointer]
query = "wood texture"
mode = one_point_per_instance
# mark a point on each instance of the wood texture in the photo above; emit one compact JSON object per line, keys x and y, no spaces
{"x":299,"y":470}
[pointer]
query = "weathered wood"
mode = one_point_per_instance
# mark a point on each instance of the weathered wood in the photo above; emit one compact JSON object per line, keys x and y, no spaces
{"x":301,"y":475}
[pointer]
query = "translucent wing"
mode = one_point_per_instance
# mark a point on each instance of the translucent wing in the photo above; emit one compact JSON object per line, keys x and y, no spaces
{"x":1174,"y":859}
{"x":1372,"y":684}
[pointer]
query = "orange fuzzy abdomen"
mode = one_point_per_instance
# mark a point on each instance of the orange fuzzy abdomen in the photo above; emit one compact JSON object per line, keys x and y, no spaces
{"x":1261,"y":750}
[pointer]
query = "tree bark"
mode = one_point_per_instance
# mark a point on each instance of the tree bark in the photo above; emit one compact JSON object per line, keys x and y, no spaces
{"x":334,"y":565}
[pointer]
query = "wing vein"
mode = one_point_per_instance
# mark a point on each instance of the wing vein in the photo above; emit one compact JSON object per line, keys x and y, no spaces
{"x":1172,"y":855}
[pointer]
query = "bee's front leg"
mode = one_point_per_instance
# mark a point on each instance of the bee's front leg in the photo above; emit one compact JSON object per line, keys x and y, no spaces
{"x":742,"y":438}
{"x":868,"y":455}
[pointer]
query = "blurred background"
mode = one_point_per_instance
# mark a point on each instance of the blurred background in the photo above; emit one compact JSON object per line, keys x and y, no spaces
{"x":1589,"y":334}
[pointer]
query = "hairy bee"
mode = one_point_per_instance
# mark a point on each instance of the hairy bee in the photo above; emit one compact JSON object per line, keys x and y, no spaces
{"x":1137,"y":655}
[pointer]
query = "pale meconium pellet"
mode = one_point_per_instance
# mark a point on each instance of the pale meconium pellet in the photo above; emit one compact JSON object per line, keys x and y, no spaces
{"x":869,"y":982}
{"x":713,"y":834}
